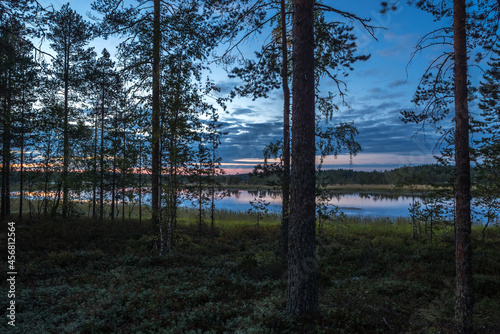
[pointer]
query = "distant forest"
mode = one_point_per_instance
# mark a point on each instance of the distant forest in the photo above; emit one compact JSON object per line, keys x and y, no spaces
{"x":422,"y":175}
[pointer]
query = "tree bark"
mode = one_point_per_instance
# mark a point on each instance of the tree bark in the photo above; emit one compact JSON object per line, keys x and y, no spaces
{"x":140,"y":181}
{"x":302,"y":291}
{"x":6,"y":154}
{"x":155,"y":163}
{"x":66,"y":135}
{"x":113,"y":186}
{"x":286,"y":139}
{"x":464,"y":301}
{"x":21,"y":158}
{"x":94,"y":172}
{"x":101,"y":158}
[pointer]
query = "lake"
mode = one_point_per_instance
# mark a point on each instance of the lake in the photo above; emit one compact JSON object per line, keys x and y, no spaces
{"x":352,"y":204}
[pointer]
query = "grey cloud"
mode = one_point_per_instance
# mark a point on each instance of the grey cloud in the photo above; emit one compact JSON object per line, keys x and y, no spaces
{"x":397,"y":83}
{"x":242,"y":111}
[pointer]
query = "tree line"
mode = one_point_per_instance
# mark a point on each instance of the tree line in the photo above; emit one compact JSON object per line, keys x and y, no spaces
{"x":424,"y":175}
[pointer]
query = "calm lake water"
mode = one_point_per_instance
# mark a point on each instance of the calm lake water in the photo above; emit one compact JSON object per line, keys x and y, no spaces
{"x":352,"y":204}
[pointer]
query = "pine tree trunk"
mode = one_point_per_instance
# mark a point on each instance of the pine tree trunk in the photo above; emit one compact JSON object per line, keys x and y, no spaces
{"x":101,"y":160}
{"x":21,"y":167}
{"x":286,"y":139}
{"x":6,"y":155}
{"x":124,"y":171}
{"x":464,"y":301}
{"x":66,"y":137}
{"x":94,"y":173}
{"x":155,"y":163}
{"x":113,"y":187}
{"x":302,"y":291}
{"x":140,"y":182}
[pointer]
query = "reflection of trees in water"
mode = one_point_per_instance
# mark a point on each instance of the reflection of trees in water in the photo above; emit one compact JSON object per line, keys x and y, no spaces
{"x":337,"y":195}
{"x":236,"y":193}
{"x":379,"y":197}
{"x":272,"y":194}
{"x":255,"y":193}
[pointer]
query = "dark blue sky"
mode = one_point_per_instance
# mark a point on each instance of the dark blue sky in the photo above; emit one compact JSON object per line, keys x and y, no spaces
{"x":378,"y":90}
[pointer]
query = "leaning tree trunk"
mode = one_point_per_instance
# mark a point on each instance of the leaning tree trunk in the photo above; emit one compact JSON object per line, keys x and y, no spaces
{"x":302,"y":291}
{"x":464,"y":301}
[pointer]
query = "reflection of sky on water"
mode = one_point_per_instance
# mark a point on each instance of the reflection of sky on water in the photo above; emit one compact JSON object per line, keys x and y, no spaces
{"x":372,"y":205}
{"x":352,"y":204}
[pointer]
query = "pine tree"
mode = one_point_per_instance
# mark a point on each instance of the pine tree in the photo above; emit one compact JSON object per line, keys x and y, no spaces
{"x":475,"y":26}
{"x":179,"y":33}
{"x":104,"y":88}
{"x":334,"y":52}
{"x":18,"y":74}
{"x":302,"y":290}
{"x":69,"y":34}
{"x":488,"y":146}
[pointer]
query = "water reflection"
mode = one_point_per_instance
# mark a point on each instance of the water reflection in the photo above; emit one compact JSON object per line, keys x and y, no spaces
{"x":350,"y":203}
{"x":239,"y":200}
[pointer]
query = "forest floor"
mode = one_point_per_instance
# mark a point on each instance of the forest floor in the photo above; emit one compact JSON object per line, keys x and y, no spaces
{"x":83,"y":276}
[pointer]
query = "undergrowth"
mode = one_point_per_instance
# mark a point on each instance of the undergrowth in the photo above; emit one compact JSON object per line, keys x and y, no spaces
{"x":86,"y":276}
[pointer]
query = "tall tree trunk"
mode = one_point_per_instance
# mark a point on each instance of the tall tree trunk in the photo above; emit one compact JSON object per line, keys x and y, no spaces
{"x":200,"y":189}
{"x":140,"y":182}
{"x":212,"y":191}
{"x":123,"y":171}
{"x":6,"y":154}
{"x":464,"y":301}
{"x":155,"y":163}
{"x":302,"y":291}
{"x":101,"y":161}
{"x":212,"y":208}
{"x":66,"y":137}
{"x":286,"y":139}
{"x":21,"y":162}
{"x":113,"y":187}
{"x":94,"y":172}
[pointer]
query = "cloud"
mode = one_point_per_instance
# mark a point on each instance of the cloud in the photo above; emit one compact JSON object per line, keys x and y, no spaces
{"x":397,"y":83}
{"x":247,"y":140}
{"x":226,"y":86}
{"x":399,"y":45}
{"x":377,"y":160}
{"x":242,"y":111}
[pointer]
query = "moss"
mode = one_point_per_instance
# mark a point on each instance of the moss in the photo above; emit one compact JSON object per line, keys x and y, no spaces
{"x":90,"y":277}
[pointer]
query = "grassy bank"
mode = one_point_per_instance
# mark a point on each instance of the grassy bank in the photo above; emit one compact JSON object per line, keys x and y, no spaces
{"x":89,"y":277}
{"x":358,"y":188}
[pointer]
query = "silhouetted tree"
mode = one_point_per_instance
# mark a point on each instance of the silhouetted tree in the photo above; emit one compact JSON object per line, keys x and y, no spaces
{"x":18,"y":78}
{"x":69,"y":34}
{"x":302,"y":290}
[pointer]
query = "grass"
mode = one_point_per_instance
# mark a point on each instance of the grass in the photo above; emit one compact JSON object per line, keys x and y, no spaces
{"x":84,"y":276}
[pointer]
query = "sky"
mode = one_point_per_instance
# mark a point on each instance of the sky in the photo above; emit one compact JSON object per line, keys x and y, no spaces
{"x":377,"y":91}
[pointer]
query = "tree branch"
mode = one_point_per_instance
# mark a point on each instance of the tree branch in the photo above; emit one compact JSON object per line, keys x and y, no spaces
{"x":364,"y":22}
